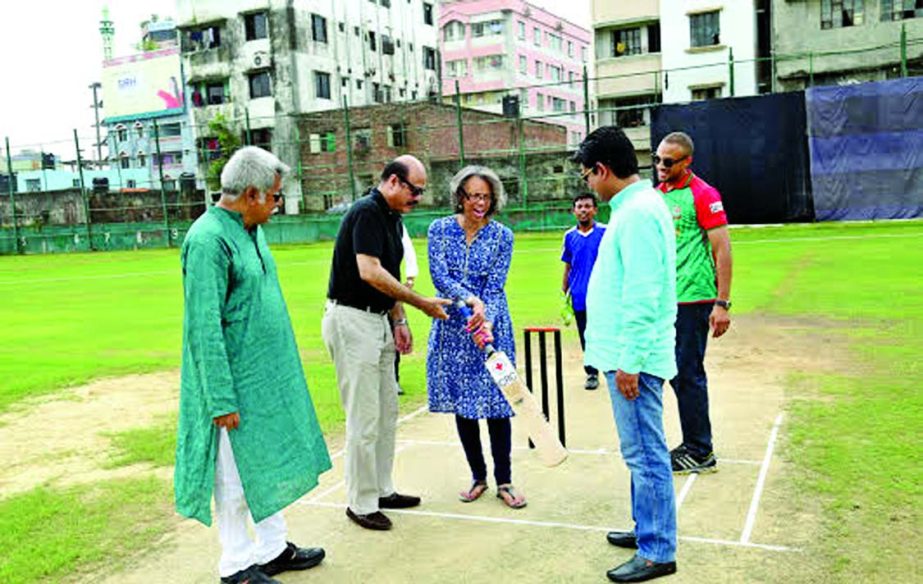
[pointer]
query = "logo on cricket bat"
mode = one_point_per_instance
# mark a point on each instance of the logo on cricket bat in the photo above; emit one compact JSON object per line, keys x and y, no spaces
{"x":501,"y":369}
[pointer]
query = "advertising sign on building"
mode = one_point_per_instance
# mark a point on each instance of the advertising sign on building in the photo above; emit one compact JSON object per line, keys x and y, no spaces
{"x":144,"y":85}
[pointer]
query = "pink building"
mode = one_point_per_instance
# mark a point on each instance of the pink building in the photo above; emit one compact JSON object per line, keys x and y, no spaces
{"x":499,"y":48}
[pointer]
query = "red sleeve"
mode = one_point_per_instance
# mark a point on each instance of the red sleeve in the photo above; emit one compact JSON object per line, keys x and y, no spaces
{"x":709,"y":210}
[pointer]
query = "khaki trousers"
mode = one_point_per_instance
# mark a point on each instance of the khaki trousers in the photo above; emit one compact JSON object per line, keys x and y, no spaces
{"x":362,"y":348}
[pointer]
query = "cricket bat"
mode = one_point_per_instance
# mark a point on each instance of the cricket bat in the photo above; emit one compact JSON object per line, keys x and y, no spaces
{"x":550,"y":450}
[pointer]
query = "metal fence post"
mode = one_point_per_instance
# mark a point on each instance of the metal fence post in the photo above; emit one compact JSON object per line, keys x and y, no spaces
{"x":731,"y":70}
{"x":12,"y":189}
{"x":586,"y":101}
{"x":163,"y":189}
{"x":83,"y":193}
{"x":523,"y":177}
{"x":810,"y":69}
{"x":349,"y":148}
{"x":903,"y":49}
{"x":247,"y":122}
{"x":458,"y":118}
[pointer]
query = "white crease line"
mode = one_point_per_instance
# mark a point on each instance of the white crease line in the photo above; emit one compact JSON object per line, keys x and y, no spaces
{"x":574,"y":526}
{"x":687,"y":486}
{"x":589,"y":451}
{"x":316,"y":498}
{"x":411,"y":415}
{"x":760,"y":482}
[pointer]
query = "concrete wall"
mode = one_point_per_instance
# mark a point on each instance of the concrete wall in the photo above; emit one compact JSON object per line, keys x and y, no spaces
{"x":607,"y":12}
{"x":797,"y":33}
{"x":737,"y":32}
{"x":66,"y":207}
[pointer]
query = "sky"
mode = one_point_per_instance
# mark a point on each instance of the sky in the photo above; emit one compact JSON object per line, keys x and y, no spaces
{"x":53,"y":53}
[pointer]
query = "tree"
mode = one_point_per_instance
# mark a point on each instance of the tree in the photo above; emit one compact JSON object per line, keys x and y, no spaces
{"x":228,"y":143}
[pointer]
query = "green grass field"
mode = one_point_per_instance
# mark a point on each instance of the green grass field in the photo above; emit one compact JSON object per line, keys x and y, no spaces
{"x":853,"y":436}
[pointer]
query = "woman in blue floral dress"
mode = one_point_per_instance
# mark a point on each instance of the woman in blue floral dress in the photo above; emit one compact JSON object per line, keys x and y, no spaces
{"x":469,"y":258}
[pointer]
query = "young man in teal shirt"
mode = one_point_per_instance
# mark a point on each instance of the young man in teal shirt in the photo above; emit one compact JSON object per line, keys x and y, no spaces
{"x":630,"y":335}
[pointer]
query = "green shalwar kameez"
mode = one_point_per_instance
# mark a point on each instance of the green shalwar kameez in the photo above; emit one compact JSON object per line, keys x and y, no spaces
{"x":239,"y":355}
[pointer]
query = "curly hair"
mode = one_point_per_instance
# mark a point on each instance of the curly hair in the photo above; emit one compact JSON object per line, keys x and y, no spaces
{"x":457,"y":187}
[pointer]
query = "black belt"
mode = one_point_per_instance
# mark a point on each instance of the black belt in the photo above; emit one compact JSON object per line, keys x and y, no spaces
{"x":368,"y":309}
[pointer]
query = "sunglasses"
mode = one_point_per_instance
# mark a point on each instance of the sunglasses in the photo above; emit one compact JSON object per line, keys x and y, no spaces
{"x":414,"y":189}
{"x":667,"y":162}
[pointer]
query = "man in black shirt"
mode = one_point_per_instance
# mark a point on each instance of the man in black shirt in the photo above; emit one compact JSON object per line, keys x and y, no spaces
{"x":364,"y":289}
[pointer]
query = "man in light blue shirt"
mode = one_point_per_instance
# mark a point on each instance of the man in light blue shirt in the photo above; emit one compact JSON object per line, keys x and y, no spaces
{"x":630,"y":335}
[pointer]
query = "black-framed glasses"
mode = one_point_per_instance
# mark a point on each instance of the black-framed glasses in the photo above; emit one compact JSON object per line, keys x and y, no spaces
{"x":585,"y":175}
{"x":667,"y":162}
{"x":485,"y":197}
{"x":414,"y":189}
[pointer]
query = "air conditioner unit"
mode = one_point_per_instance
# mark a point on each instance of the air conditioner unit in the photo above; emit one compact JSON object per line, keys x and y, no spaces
{"x":260,"y":60}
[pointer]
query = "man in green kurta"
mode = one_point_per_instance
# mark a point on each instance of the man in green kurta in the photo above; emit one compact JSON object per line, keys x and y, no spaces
{"x":247,"y":426}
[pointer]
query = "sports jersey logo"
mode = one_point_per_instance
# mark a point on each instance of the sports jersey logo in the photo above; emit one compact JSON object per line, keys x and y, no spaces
{"x":716,"y":207}
{"x":677,"y":213}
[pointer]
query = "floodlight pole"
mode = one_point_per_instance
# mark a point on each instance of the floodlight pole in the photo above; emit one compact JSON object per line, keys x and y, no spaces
{"x":99,"y":146}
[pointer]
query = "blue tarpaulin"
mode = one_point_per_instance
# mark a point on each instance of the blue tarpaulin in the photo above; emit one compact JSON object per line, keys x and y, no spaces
{"x":866,"y":148}
{"x":752,"y":149}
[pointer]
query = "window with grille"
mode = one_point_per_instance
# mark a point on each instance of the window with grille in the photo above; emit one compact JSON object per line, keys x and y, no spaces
{"x":703,"y":93}
{"x":255,"y":26}
{"x":322,"y":84}
{"x":429,"y":58}
{"x":260,"y":85}
{"x":901,"y":9}
{"x":841,"y":13}
{"x":318,"y":28}
{"x":626,"y":42}
{"x":705,"y":29}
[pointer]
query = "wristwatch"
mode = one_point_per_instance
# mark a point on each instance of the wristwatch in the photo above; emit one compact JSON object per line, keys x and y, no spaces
{"x":725,"y":304}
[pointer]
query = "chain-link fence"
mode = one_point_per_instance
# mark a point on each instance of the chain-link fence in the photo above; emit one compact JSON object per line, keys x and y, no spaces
{"x":158,"y":175}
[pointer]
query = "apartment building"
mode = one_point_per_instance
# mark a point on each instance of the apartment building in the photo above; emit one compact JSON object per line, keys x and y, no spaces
{"x":832,"y":42}
{"x":513,"y":50}
{"x":669,"y":51}
{"x":259,"y":63}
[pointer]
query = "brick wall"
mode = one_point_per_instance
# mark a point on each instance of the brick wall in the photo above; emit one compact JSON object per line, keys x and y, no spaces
{"x":431,"y":134}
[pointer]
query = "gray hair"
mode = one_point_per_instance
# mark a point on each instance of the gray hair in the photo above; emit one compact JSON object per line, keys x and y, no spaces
{"x":251,"y":167}
{"x":681,"y":139}
{"x":457,"y":184}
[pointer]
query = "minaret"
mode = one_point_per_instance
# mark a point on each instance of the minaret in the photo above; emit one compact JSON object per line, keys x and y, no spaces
{"x":107,"y":29}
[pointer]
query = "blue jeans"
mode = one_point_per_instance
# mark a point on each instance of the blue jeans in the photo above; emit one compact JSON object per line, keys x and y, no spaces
{"x":639,"y":423}
{"x":691,"y":382}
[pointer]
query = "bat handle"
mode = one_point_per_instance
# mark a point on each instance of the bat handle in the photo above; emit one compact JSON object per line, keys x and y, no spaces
{"x":463,"y":308}
{"x":466,"y":311}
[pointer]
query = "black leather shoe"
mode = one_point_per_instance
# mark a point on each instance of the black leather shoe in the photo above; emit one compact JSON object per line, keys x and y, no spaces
{"x":637,"y":569}
{"x":623,"y":539}
{"x":377,"y":520}
{"x":251,"y":575}
{"x":293,"y":558}
{"x":398,"y":501}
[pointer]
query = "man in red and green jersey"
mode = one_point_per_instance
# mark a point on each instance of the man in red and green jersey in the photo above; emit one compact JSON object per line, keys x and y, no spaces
{"x":703,"y":288}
